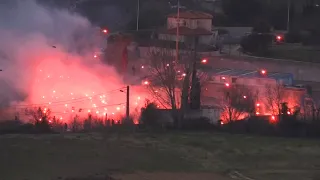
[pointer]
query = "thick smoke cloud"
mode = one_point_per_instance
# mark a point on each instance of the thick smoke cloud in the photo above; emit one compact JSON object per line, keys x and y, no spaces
{"x":46,"y":57}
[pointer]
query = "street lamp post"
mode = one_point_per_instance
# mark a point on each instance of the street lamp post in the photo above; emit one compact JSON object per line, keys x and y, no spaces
{"x":178,"y":33}
{"x":138,"y":14}
{"x":127,"y":103}
{"x":288,"y":20}
{"x":178,"y":28}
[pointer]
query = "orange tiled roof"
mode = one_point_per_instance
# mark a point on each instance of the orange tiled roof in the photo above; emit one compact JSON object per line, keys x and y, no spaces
{"x":186,"y":31}
{"x":192,"y":15}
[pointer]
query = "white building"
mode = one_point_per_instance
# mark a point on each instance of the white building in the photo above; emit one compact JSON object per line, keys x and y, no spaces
{"x":192,"y":25}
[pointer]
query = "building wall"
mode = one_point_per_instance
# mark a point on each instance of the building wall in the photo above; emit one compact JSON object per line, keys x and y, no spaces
{"x":190,"y":23}
{"x":206,"y":39}
{"x":201,"y":40}
{"x":170,"y":37}
{"x":211,"y":113}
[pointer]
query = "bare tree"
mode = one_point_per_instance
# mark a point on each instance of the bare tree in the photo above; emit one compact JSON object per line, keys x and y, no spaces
{"x":41,"y":118}
{"x":57,"y":124}
{"x":76,"y":124}
{"x":274,"y":96}
{"x":238,"y":102}
{"x":169,"y":77}
{"x":38,"y":114}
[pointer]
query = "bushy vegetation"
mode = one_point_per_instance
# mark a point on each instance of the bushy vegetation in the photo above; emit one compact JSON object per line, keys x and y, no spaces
{"x":153,"y":119}
{"x":150,"y":118}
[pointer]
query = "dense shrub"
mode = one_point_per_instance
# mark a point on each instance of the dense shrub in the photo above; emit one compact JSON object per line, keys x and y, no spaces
{"x":259,"y":41}
{"x":150,"y":117}
{"x":42,"y":126}
{"x":256,"y":44}
{"x":16,"y":127}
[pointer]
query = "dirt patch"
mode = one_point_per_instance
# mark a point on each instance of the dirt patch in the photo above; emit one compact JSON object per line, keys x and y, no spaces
{"x":170,"y":176}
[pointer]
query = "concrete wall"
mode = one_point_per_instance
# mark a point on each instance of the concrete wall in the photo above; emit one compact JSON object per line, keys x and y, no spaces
{"x":169,"y":37}
{"x":213,"y":114}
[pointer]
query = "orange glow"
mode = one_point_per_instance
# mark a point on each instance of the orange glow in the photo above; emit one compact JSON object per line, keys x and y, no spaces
{"x":279,"y":38}
{"x":146,"y":83}
{"x":291,"y":96}
{"x":74,"y":88}
{"x":273,"y":119}
{"x":264,"y":72}
{"x":227,"y":85}
{"x":204,"y":61}
{"x":135,"y":122}
{"x":105,"y":31}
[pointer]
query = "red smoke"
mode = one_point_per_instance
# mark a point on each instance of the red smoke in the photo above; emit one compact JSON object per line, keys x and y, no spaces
{"x":49,"y":58}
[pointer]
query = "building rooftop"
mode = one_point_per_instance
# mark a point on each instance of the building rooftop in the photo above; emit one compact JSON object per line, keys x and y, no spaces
{"x":245,"y":73}
{"x":186,"y":31}
{"x":192,"y":15}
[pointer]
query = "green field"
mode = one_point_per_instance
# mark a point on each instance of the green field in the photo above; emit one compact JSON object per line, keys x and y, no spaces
{"x":209,"y":155}
{"x":297,"y":53}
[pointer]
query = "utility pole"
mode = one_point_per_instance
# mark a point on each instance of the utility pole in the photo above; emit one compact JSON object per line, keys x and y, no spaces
{"x":178,"y":33}
{"x":288,"y":16}
{"x":138,"y":14}
{"x":178,"y":30}
{"x":194,"y":95}
{"x":127,"y":104}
